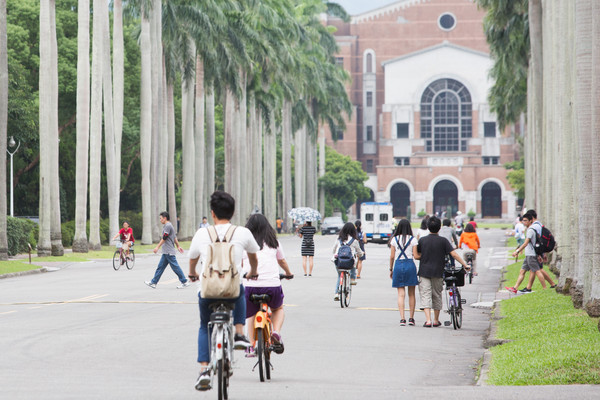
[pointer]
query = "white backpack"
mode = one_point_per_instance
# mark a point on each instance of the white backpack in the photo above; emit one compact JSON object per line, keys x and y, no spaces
{"x":220,"y":278}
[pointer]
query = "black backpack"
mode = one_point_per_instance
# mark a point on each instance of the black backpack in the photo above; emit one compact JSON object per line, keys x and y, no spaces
{"x":545,"y":242}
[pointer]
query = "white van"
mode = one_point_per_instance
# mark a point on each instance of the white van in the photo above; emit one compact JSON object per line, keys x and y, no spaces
{"x":376,"y":220}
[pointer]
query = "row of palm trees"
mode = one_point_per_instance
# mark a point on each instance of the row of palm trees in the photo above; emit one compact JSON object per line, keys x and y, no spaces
{"x":269,"y":63}
{"x":562,"y":145}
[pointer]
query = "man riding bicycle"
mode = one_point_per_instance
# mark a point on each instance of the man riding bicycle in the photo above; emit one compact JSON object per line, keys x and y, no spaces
{"x":127,"y":239}
{"x":222,"y":207}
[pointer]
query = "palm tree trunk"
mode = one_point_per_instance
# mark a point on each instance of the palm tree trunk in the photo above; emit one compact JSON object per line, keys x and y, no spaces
{"x":199,"y":142}
{"x":286,"y":163}
{"x":322,"y":171}
{"x":3,"y":126}
{"x":210,"y":140}
{"x":228,"y":131}
{"x":257,"y":178}
{"x":270,"y":171}
{"x":164,"y":143}
{"x":146,"y":128}
{"x":171,"y":154}
{"x":299,"y":171}
{"x":80,"y":244}
{"x":188,"y":211}
{"x":55,"y":228}
{"x":592,"y":298}
{"x":118,"y":90}
{"x":156,"y":164}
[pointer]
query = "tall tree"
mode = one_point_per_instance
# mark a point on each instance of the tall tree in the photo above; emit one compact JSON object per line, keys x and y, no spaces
{"x":3,"y":126}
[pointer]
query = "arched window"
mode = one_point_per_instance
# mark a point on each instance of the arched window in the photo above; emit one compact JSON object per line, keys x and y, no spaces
{"x":446,"y":116}
{"x":400,"y":198}
{"x":369,"y":62}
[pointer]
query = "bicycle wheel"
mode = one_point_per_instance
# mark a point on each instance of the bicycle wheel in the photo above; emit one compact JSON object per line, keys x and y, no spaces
{"x":220,"y":380}
{"x":341,"y":287}
{"x":260,"y":351}
{"x":131,"y":261}
{"x":117,"y":260}
{"x":470,"y":263}
{"x":347,"y":289}
{"x":267,"y":358}
{"x":458,"y":310}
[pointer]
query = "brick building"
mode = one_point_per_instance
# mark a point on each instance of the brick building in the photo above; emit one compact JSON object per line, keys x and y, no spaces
{"x":421,"y":125}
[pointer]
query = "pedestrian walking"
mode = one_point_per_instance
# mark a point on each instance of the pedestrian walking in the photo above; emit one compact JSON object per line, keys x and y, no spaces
{"x":362,"y":240}
{"x":307,"y":250}
{"x":432,"y":251}
{"x":170,"y":245}
{"x":520,"y":231}
{"x":403,"y":271}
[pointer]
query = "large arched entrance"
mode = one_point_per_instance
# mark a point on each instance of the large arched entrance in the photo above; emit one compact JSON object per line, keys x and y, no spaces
{"x":491,"y":200}
{"x":400,"y":198}
{"x":445,"y":193}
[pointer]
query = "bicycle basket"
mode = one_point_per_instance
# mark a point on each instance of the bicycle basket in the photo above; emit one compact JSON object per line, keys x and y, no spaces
{"x":119,"y":245}
{"x":459,"y":274}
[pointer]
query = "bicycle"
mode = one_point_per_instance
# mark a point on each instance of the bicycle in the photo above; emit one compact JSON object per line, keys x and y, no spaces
{"x":221,"y":346}
{"x":119,"y":257}
{"x":454,"y":277}
{"x":263,"y":327}
{"x":345,"y":287}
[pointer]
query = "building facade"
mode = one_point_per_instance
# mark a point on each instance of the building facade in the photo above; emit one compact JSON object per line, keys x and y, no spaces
{"x":421,"y":125}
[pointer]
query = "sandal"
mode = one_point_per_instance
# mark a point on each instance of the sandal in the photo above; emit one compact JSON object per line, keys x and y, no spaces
{"x":436,"y":324}
{"x":427,"y":324}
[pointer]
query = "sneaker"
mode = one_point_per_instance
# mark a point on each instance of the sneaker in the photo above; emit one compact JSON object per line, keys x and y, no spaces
{"x":250,"y":352}
{"x":240,"y":342}
{"x":402,"y":322}
{"x":511,"y":289}
{"x":411,"y":321}
{"x":184,"y":284}
{"x":336,"y":298}
{"x":353,"y":282}
{"x":553,"y":286}
{"x":524,"y":290}
{"x":277,"y":342}
{"x":149,"y":283}
{"x":203,"y":381}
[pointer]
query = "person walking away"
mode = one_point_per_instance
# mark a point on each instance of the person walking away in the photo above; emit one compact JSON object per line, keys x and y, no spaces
{"x":531,"y":262}
{"x":307,"y":249}
{"x":222,"y":207}
{"x":472,"y":222}
{"x":423,"y":230}
{"x":270,"y":259}
{"x":346,"y":237}
{"x":470,"y":239}
{"x":448,"y":232}
{"x":127,"y":240}
{"x":362,"y":240}
{"x":279,"y":223}
{"x":403,"y":271}
{"x":170,"y":245}
{"x":432,"y":251}
{"x":520,"y":232}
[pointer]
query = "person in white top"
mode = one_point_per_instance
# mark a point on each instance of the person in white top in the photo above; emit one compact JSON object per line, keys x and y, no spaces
{"x":347,"y":236}
{"x":403,"y":270}
{"x":222,"y":207}
{"x":270,"y":259}
{"x":423,"y":231}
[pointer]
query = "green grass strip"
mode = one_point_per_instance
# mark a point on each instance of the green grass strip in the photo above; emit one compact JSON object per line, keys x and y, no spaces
{"x":8,"y":267}
{"x":551,"y":343}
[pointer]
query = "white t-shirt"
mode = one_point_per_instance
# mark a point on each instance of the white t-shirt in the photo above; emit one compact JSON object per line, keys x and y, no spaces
{"x":408,"y":251}
{"x":520,"y":230}
{"x":242,"y":240}
{"x":421,"y":233}
{"x":268,"y":267}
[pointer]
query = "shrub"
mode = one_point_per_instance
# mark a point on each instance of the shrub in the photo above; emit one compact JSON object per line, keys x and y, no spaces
{"x":19,"y":233}
{"x":471,"y":213}
{"x":67,"y":230}
{"x":421,"y":213}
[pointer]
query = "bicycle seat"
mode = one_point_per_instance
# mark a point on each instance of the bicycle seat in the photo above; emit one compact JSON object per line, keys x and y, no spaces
{"x":219,"y":316}
{"x":260,"y":298}
{"x":223,"y":306}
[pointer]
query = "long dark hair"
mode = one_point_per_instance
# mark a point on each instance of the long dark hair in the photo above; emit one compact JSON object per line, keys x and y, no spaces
{"x":358,"y":225}
{"x":347,"y":232}
{"x":424,"y":223}
{"x":403,"y":228}
{"x":469,"y":228}
{"x":262,"y":231}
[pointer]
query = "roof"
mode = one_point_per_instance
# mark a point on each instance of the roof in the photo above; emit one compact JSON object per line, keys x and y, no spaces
{"x":381,"y":11}
{"x":444,"y":44}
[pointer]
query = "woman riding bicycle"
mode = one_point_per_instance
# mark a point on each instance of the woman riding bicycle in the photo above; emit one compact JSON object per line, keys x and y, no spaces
{"x":470,"y":239}
{"x":270,"y":259}
{"x":127,"y":239}
{"x":347,"y":236}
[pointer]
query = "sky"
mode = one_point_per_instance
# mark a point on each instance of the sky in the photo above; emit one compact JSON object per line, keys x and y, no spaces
{"x":354,"y":7}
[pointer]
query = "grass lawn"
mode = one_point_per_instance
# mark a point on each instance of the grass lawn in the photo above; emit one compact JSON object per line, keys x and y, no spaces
{"x":7,"y":267}
{"x":552,"y":343}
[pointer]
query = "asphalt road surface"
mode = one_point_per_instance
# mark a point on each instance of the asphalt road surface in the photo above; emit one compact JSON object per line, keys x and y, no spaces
{"x":86,"y":331}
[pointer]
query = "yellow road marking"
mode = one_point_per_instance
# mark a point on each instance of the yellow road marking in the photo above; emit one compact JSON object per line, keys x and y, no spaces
{"x":8,"y":312}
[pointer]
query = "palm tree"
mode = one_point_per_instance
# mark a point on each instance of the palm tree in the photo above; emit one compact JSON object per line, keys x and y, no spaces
{"x":3,"y":126}
{"x":118,"y":89}
{"x":156,"y":76}
{"x":199,"y":142}
{"x":80,"y":243}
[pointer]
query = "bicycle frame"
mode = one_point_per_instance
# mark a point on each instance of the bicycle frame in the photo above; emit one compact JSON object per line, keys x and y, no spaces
{"x":221,"y":346}
{"x":262,"y":320}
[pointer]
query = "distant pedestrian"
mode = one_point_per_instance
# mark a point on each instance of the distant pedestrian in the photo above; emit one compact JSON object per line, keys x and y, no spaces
{"x":279,"y":223}
{"x":472,"y":222}
{"x":307,"y":250}
{"x":448,"y":232}
{"x":362,"y":240}
{"x":520,"y":232}
{"x":432,"y":251}
{"x":204,"y":223}
{"x":171,"y":244}
{"x":423,"y":230}
{"x":403,"y":270}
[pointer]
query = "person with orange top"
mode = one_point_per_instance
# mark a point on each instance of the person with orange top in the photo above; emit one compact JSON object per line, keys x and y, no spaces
{"x":470,"y":239}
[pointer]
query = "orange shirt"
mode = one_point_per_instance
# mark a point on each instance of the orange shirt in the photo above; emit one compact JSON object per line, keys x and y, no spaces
{"x":470,"y":239}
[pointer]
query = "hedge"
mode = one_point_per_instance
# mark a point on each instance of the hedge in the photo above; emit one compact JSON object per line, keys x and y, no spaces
{"x":20,"y":232}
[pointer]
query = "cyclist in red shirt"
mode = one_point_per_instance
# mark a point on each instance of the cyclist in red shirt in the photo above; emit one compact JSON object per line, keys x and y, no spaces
{"x":127,"y":239}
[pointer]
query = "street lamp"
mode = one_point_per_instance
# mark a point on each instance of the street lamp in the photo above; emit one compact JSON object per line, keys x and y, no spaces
{"x":11,"y":143}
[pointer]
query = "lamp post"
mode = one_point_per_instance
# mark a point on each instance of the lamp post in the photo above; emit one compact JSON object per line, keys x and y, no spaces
{"x":11,"y":143}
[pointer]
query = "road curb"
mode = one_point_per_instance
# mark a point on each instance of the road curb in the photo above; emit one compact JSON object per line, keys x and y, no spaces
{"x":23,"y":273}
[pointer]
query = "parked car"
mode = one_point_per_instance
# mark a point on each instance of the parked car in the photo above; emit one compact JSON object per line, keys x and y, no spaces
{"x":332,"y":225}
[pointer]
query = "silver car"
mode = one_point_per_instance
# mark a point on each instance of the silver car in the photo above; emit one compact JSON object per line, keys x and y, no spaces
{"x":332,"y":225}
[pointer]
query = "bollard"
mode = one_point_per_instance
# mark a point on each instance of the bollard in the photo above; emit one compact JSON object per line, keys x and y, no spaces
{"x":29,"y":245}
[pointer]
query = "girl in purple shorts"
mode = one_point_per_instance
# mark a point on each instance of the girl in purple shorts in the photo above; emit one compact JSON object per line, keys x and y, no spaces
{"x":270,"y":259}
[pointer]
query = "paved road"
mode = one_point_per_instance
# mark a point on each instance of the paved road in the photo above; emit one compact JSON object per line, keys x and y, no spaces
{"x":89,"y":332}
